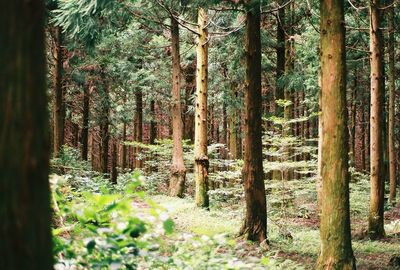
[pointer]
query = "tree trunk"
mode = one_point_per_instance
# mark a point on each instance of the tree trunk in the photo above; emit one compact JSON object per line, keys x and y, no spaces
{"x":336,"y":251}
{"x":376,"y":221}
{"x":25,"y":213}
{"x":280,"y":58}
{"x":153,"y":123}
{"x":104,"y":125}
{"x":124,"y":148}
{"x":85,"y":122}
{"x":138,"y":129}
{"x":114,"y":172}
{"x":58,"y":95}
{"x":255,"y":223}
{"x":200,"y":132}
{"x":178,"y":170}
{"x":392,"y":86}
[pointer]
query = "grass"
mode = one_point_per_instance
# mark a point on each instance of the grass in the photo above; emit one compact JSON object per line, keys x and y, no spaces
{"x":294,"y":234}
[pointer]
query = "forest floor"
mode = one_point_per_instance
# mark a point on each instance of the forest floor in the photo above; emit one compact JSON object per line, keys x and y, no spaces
{"x":292,"y":230}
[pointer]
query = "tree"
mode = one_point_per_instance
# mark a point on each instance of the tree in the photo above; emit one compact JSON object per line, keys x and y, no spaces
{"x":58,"y":95}
{"x":255,"y":223}
{"x":392,"y":88}
{"x":336,"y":251}
{"x":24,"y":141}
{"x":178,"y":170}
{"x":200,"y":133}
{"x":376,"y":222}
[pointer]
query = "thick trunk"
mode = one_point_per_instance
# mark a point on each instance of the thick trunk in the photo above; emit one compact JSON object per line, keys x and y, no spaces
{"x":85,"y":123}
{"x":58,"y":96}
{"x":376,"y":221}
{"x":200,"y":132}
{"x":153,"y":123}
{"x":25,"y":213}
{"x":336,"y":251}
{"x":255,"y":222}
{"x":138,"y":129}
{"x":178,"y":170}
{"x":392,"y":86}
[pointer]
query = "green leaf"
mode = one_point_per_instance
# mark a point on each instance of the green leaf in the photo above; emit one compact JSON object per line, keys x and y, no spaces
{"x":168,"y":226}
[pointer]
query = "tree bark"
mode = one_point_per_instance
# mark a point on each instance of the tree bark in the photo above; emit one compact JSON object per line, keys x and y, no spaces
{"x":114,"y":171}
{"x":200,"y":132}
{"x":138,"y":129}
{"x":280,"y":58}
{"x":336,"y":251}
{"x":178,"y":170}
{"x":85,"y":122}
{"x":104,"y":125}
{"x":25,"y":213}
{"x":255,"y":223}
{"x":376,"y":219}
{"x":392,"y":88}
{"x":153,"y":123}
{"x":58,"y":95}
{"x":124,"y":148}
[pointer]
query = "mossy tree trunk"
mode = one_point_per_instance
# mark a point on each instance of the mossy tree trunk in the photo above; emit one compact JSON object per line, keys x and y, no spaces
{"x":200,"y":131}
{"x":25,"y":213}
{"x":178,"y":170}
{"x":336,"y":251}
{"x":255,"y":223}
{"x":280,"y":58}
{"x":377,"y":169}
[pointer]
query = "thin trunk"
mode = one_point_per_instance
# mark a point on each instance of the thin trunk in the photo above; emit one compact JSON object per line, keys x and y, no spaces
{"x":114,"y":158}
{"x":25,"y":213}
{"x":255,"y":223}
{"x":58,"y":96}
{"x":138,"y":129}
{"x":104,"y":126}
{"x":280,"y":58}
{"x":200,"y":133}
{"x":376,"y":221}
{"x":392,"y":86}
{"x":178,"y":170}
{"x":85,"y":122}
{"x":153,"y":123}
{"x":124,"y":147}
{"x":336,"y":251}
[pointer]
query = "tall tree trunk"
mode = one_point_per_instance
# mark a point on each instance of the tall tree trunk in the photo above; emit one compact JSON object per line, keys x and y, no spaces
{"x":178,"y":170}
{"x":336,"y":251}
{"x":376,"y":221}
{"x":153,"y":123}
{"x":58,"y":95}
{"x":200,"y":132}
{"x":392,"y":86}
{"x":104,"y":126}
{"x":124,"y":148}
{"x":138,"y":129}
{"x":85,"y":122}
{"x":255,"y":223}
{"x":114,"y":158}
{"x":280,"y":58}
{"x":25,"y":213}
